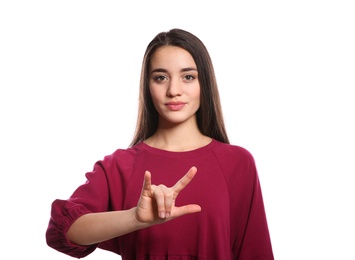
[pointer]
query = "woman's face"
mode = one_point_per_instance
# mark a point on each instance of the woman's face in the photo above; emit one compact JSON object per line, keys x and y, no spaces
{"x":174,"y":85}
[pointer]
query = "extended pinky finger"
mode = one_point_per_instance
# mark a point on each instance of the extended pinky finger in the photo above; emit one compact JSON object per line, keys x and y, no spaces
{"x":147,"y":184}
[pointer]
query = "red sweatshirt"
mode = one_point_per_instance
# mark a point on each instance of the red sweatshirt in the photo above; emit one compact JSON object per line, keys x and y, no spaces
{"x":231,"y":225}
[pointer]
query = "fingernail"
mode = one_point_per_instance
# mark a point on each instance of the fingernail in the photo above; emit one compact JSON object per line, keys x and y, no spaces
{"x":167,"y":214}
{"x":162,"y":214}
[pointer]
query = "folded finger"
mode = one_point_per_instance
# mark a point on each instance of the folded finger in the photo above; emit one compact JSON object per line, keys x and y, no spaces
{"x":160,"y":201}
{"x":169,"y":201}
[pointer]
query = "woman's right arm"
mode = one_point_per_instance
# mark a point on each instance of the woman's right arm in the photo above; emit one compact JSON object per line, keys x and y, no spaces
{"x":93,"y":228}
{"x":156,"y":205}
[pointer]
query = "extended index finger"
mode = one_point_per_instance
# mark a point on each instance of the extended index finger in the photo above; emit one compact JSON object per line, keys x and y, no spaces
{"x":182,"y":183}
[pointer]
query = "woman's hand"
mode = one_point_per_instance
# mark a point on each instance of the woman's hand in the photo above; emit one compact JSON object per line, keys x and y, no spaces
{"x":157,"y":203}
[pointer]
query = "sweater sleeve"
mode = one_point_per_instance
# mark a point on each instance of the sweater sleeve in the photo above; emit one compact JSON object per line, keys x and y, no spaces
{"x":254,"y":242}
{"x":92,"y":196}
{"x":250,"y":238}
{"x":63,"y":214}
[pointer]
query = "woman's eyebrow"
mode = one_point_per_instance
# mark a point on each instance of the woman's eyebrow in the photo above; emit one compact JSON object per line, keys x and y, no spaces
{"x":159,"y":70}
{"x":165,"y":70}
{"x":188,"y":69}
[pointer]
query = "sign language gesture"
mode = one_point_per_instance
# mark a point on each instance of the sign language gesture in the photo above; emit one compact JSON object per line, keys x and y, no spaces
{"x":157,"y":202}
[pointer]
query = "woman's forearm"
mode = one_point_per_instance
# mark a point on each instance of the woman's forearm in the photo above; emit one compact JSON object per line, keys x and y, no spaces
{"x":93,"y":228}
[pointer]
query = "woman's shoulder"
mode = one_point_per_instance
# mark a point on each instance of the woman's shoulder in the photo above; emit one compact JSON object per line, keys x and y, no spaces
{"x":233,"y":150}
{"x":123,"y":155}
{"x":235,"y":159}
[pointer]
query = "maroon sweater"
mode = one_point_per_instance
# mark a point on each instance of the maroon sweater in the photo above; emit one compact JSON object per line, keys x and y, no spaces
{"x":231,"y":225}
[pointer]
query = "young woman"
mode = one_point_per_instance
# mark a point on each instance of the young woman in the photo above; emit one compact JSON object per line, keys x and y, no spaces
{"x":180,"y":191}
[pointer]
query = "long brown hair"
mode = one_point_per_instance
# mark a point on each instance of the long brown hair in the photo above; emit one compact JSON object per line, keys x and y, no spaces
{"x":209,"y":116}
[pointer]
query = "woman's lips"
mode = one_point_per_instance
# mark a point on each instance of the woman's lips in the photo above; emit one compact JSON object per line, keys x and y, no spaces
{"x":175,"y":106}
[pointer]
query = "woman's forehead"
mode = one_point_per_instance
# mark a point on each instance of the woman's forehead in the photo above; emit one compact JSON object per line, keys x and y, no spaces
{"x":171,"y":57}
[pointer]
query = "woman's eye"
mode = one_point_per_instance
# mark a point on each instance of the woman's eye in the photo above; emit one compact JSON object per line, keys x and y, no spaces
{"x":189,"y":77}
{"x":159,"y":78}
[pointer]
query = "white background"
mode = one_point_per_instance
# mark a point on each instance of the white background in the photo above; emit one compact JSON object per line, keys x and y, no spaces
{"x":69,"y":74}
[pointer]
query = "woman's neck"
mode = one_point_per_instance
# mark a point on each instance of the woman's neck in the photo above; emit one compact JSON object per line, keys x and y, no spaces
{"x":175,"y":139}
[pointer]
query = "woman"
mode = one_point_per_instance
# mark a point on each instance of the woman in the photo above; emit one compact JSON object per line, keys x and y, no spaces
{"x":180,"y":191}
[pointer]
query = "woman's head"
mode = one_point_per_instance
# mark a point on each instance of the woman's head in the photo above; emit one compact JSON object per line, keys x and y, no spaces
{"x":209,"y":115}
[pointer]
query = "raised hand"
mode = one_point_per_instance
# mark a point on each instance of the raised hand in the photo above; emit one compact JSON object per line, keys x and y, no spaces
{"x":157,"y":202}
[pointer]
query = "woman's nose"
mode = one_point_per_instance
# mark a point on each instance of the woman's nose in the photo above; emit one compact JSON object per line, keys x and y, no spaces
{"x":175,"y":88}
